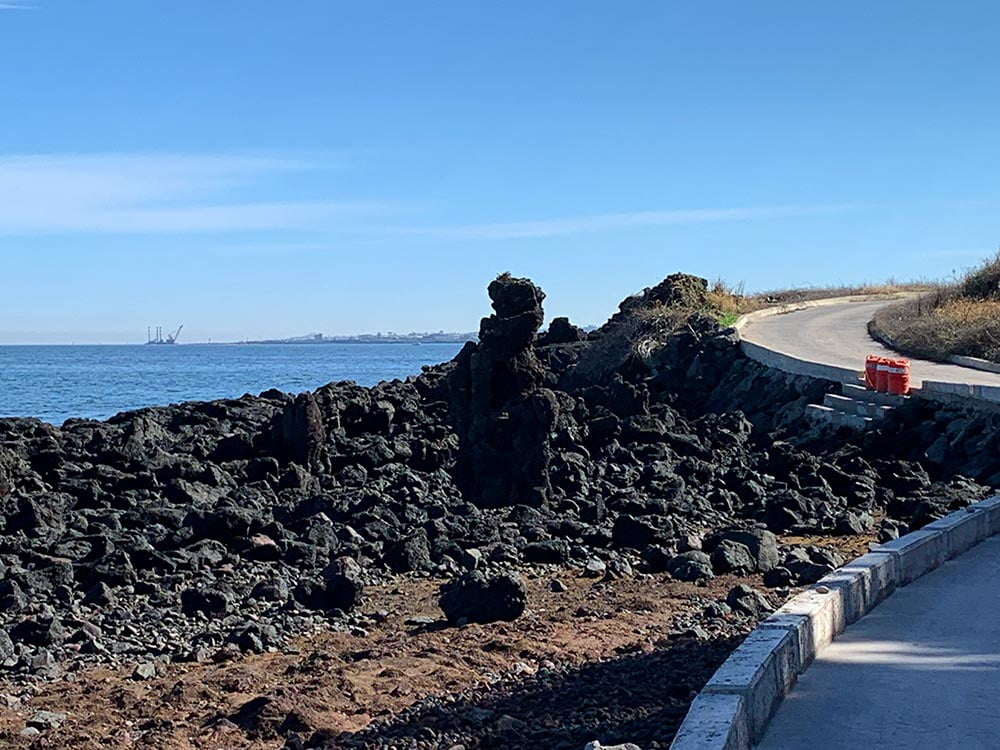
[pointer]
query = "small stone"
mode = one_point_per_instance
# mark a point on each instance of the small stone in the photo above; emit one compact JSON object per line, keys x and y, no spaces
{"x":472,"y":559}
{"x":717,"y":610}
{"x":557,"y":586}
{"x":46,"y":720}
{"x":419,"y":621}
{"x":618,"y":569}
{"x":594,"y":568}
{"x":689,"y":543}
{"x":748,"y":601}
{"x":146,"y":671}
{"x":691,"y":566}
{"x":508,"y":723}
{"x":100,"y":595}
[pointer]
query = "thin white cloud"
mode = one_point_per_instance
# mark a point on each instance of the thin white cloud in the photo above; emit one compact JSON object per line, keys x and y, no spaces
{"x":216,"y":193}
{"x":605,"y":222}
{"x":16,"y":6}
{"x":159,"y":193}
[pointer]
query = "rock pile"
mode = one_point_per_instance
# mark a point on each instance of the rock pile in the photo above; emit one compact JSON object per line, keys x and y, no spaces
{"x":185,"y":531}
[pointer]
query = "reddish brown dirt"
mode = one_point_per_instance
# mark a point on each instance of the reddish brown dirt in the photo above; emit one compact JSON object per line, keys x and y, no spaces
{"x":340,"y":682}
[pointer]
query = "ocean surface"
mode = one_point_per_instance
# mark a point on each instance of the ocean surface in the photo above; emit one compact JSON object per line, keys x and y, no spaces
{"x":55,"y":383}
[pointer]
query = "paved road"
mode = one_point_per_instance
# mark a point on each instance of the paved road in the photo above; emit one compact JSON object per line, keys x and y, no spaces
{"x":838,"y":335}
{"x":920,"y":672}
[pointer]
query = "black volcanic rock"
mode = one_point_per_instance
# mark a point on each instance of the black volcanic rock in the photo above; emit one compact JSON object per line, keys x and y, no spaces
{"x":299,"y":433}
{"x":205,"y":601}
{"x":561,"y":331}
{"x":340,"y":587}
{"x":502,"y":413}
{"x":483,"y":597}
{"x":609,"y":452}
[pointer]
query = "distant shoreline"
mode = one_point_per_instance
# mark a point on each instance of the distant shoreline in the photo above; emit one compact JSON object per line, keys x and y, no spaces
{"x":446,"y":338}
{"x":274,"y":342}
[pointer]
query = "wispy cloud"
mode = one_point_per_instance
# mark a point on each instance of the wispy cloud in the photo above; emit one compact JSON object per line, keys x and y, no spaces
{"x":610,"y":221}
{"x":215,"y":193}
{"x":16,"y":6}
{"x":160,"y":193}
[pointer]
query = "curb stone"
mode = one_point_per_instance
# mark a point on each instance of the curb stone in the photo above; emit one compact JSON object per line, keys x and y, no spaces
{"x":733,"y":709}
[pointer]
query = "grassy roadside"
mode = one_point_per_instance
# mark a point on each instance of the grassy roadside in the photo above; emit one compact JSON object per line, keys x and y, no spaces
{"x":961,"y":318}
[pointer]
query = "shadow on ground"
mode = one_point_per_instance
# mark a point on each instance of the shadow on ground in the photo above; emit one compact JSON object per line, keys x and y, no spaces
{"x":640,"y":698}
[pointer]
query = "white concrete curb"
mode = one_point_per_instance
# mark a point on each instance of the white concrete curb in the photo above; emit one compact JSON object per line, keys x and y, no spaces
{"x":733,"y":709}
{"x":975,"y":363}
{"x":940,"y":391}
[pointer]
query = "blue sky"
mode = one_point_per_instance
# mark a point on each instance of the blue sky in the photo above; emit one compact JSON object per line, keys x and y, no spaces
{"x":261,"y":169}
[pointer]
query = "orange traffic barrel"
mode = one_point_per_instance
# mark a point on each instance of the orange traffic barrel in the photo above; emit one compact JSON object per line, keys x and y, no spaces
{"x":882,"y":375}
{"x":871,"y":366}
{"x":899,"y":377}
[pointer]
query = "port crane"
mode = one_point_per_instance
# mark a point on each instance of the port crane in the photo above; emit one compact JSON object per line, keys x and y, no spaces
{"x":158,"y":338}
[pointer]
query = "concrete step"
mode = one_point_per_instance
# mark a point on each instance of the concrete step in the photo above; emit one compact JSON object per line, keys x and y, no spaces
{"x":835,"y":418}
{"x":860,"y":393}
{"x":855,"y":406}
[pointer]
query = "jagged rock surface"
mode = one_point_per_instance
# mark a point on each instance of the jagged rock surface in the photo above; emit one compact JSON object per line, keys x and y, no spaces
{"x":176,"y":532}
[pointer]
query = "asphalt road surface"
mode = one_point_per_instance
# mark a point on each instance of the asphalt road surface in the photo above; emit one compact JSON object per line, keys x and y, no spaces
{"x":838,"y":335}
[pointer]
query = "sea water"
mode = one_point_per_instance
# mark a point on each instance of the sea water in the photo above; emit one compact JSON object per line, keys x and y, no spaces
{"x":54,"y":383}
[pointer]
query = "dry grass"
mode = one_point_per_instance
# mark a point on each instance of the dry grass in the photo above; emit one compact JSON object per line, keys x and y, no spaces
{"x":961,"y":318}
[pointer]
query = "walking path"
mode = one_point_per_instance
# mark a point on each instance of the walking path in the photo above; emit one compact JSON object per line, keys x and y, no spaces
{"x":838,"y":335}
{"x":920,"y":671}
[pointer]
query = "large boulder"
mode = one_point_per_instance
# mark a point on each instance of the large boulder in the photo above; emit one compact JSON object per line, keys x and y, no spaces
{"x":761,"y":544}
{"x":561,"y":331}
{"x":503,"y":416}
{"x":693,"y":565}
{"x":210,"y":602}
{"x":748,"y":601}
{"x":483,"y":598}
{"x":733,"y":557}
{"x":298,"y":433}
{"x":341,"y":587}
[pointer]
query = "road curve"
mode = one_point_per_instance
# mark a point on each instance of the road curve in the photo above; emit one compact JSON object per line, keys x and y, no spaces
{"x":838,"y":335}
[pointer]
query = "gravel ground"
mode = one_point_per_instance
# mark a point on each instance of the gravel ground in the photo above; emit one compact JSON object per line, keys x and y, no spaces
{"x":615,"y":661}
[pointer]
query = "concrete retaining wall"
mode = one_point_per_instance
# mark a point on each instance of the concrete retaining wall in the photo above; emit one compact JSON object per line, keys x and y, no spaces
{"x":734,"y":708}
{"x":961,"y":394}
{"x":796,"y":366}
